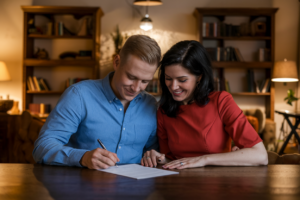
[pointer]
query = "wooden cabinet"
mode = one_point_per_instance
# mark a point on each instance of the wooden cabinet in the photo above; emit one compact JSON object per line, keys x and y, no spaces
{"x":249,"y":30}
{"x":41,"y":30}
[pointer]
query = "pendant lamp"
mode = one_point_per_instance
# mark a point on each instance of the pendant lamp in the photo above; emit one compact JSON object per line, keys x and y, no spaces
{"x":147,"y":3}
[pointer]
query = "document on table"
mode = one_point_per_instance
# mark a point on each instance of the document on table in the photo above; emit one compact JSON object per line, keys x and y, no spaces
{"x":137,"y":171}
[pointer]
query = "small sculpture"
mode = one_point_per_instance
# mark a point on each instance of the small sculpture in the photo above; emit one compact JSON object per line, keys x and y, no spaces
{"x":41,"y":54}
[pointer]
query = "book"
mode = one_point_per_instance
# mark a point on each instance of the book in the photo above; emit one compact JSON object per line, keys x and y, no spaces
{"x":36,"y":83}
{"x":35,"y":108}
{"x":257,"y":88}
{"x":31,"y":83}
{"x":49,"y":28}
{"x":45,"y":85}
{"x":204,"y":29}
{"x":28,"y":85}
{"x":250,"y":81}
{"x":227,"y":88}
{"x":239,"y":55}
{"x":56,"y":28}
{"x":266,"y":86}
{"x":60,"y":28}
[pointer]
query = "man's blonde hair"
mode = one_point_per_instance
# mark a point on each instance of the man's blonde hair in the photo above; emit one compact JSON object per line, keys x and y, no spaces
{"x":142,"y":46}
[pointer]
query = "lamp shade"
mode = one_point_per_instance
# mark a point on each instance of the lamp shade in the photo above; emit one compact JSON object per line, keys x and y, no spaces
{"x":285,"y":71}
{"x":4,"y":75}
{"x":147,"y":3}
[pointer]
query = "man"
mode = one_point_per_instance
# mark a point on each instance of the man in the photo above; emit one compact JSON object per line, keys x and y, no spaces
{"x":115,"y":110}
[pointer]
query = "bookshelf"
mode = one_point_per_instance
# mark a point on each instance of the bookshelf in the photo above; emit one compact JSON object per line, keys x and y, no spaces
{"x":46,"y":18}
{"x":249,"y":30}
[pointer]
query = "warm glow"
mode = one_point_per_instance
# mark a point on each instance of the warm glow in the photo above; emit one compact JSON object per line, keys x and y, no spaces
{"x":147,"y":3}
{"x":146,"y":26}
{"x":146,"y":23}
{"x":285,"y":71}
{"x":4,"y":74}
{"x":285,"y":80}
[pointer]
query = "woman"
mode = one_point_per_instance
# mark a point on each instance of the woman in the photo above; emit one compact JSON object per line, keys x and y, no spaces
{"x":195,"y":125}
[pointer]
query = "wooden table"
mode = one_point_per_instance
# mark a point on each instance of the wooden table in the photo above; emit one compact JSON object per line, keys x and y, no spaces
{"x":27,"y":181}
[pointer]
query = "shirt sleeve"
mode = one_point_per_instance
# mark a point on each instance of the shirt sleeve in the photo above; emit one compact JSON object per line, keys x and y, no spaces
{"x":63,"y":121}
{"x":163,"y":136}
{"x":236,"y":123}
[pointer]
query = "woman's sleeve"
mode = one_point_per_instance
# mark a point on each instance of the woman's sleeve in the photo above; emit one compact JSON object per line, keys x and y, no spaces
{"x":236,"y":123}
{"x":163,"y":136}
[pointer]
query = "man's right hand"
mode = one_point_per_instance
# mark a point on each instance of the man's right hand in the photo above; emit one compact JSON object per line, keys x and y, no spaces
{"x":99,"y":159}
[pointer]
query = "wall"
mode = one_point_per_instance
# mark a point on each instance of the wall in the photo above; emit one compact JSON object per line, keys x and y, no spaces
{"x":286,"y":46}
{"x":173,"y":21}
{"x":11,"y":46}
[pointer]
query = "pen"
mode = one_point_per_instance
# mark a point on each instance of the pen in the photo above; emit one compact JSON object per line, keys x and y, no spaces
{"x":102,"y":145}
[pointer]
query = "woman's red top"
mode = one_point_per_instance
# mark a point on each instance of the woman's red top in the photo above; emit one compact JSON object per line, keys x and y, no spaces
{"x":199,"y":130}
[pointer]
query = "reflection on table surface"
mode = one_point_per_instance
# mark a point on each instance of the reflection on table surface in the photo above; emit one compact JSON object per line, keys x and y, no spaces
{"x":26,"y":181}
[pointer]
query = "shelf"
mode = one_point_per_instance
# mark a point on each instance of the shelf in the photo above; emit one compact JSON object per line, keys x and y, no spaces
{"x":44,"y":92}
{"x":236,"y":64}
{"x":238,"y":38}
{"x":250,"y":94}
{"x":51,"y":63}
{"x":58,"y":36}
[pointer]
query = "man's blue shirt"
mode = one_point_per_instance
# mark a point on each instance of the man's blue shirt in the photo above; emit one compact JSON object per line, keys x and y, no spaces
{"x":89,"y":110}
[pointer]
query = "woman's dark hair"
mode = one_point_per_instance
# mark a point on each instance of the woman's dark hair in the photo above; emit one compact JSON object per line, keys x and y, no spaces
{"x":191,"y":55}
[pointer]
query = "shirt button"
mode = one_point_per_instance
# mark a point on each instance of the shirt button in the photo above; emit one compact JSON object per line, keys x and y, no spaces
{"x":123,"y":129}
{"x":120,"y":109}
{"x":116,"y":98}
{"x":119,"y":147}
{"x":109,"y":101}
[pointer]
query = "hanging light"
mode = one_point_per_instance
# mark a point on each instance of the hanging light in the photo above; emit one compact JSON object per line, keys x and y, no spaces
{"x":146,"y":23}
{"x":147,"y":2}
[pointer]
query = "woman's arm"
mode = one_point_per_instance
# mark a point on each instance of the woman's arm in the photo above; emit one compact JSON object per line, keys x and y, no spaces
{"x":254,"y":156}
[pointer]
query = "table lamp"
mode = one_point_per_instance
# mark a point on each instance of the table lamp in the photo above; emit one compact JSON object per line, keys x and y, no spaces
{"x":286,"y":71}
{"x":7,"y":104}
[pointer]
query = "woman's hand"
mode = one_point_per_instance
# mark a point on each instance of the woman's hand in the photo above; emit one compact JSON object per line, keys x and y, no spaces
{"x":151,"y":158}
{"x":186,"y":163}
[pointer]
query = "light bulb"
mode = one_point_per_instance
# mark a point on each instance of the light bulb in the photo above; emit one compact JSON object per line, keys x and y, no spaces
{"x":146,"y":23}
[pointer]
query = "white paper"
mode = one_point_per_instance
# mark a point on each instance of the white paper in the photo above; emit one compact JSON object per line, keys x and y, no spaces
{"x":137,"y":171}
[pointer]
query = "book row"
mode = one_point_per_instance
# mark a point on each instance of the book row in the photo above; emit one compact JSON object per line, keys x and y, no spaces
{"x":37,"y":84}
{"x":39,"y":108}
{"x":225,"y":54}
{"x":215,"y":29}
{"x":258,"y":86}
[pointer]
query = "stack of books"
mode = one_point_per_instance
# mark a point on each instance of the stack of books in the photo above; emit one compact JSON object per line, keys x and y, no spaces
{"x":40,"y":109}
{"x":225,"y":54}
{"x":37,"y":84}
